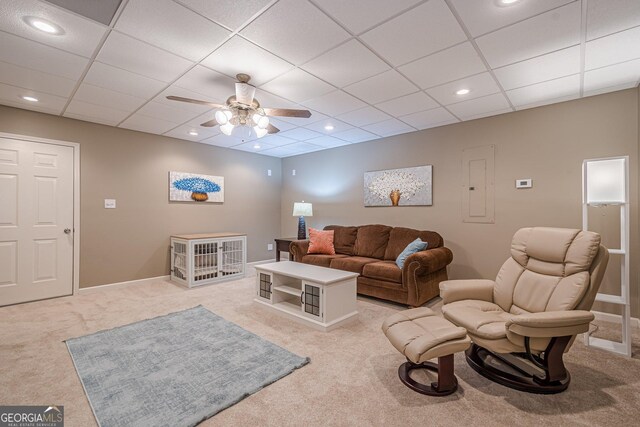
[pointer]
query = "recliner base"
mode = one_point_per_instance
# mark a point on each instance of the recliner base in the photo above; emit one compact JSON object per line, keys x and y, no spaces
{"x":447,"y":382}
{"x":528,"y":382}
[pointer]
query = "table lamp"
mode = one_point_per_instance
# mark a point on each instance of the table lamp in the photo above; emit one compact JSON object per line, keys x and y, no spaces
{"x":302,"y":209}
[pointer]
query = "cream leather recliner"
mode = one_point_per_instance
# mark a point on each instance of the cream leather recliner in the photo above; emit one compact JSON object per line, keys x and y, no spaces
{"x":532,"y":312}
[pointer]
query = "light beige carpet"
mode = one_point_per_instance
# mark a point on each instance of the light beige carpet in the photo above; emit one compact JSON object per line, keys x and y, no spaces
{"x":352,"y":378}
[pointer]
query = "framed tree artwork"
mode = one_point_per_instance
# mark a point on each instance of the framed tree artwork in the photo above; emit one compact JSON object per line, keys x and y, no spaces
{"x":399,"y":187}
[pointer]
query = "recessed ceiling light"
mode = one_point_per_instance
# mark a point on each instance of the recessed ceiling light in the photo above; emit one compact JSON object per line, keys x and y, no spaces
{"x":44,"y":25}
{"x":256,"y":146}
{"x":193,"y":133}
{"x":328,"y":127}
{"x":30,"y":98}
{"x":463,"y":92}
{"x":507,"y":2}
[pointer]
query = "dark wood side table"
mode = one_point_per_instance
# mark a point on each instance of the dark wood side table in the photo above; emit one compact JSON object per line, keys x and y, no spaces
{"x":282,"y":244}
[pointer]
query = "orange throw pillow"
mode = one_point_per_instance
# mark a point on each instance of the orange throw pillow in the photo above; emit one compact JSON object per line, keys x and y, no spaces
{"x":321,"y":242}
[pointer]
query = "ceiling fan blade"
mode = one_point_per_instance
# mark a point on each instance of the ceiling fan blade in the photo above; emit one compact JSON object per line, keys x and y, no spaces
{"x":210,"y":123}
{"x":195,"y":101}
{"x":245,"y":93}
{"x":284,"y":112}
{"x":272,"y":129}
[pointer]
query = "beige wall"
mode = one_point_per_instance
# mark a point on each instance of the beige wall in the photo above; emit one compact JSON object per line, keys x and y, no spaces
{"x":547,"y":144}
{"x":132,"y":241}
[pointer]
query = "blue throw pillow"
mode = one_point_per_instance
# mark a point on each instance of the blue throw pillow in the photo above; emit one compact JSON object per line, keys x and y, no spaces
{"x":413,"y":247}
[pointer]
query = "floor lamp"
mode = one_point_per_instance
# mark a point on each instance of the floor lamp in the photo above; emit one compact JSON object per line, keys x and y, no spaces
{"x":606,"y":182}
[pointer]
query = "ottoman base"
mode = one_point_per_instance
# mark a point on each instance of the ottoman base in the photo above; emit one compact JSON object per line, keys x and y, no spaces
{"x":447,"y":382}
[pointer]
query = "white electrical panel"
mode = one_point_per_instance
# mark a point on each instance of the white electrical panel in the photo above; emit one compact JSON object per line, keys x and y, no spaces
{"x":524,"y":183}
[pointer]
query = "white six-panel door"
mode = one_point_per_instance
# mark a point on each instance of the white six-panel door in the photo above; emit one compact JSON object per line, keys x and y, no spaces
{"x":36,"y":220}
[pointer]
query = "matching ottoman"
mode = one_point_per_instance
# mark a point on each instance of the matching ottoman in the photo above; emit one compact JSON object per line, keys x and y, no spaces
{"x":420,"y":335}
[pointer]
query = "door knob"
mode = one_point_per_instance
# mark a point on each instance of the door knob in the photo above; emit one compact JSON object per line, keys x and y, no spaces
{"x":67,"y":231}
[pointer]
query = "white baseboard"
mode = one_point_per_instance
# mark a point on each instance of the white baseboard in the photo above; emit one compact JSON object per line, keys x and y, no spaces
{"x":615,"y":318}
{"x":121,"y":284}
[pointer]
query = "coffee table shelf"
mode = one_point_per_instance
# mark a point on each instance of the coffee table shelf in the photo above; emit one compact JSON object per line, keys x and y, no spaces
{"x":321,"y":297}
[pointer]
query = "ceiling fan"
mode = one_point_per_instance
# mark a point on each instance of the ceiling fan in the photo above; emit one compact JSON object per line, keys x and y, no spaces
{"x":242,"y":114}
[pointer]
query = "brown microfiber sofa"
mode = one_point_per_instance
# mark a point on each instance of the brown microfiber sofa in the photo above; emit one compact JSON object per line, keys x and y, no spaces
{"x":371,"y":251}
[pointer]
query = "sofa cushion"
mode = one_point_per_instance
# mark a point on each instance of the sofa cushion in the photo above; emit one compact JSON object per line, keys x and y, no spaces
{"x":400,"y":237}
{"x":321,"y":242}
{"x":344,"y":238}
{"x":372,"y":241}
{"x":321,"y":260}
{"x":383,"y":270}
{"x":352,"y":263}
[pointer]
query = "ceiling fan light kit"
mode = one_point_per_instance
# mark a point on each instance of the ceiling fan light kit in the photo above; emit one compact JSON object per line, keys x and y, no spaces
{"x":242,"y":115}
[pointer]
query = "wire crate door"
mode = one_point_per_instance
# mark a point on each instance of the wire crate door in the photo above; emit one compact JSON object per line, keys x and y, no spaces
{"x":232,"y":257}
{"x":179,"y":261}
{"x":205,"y":261}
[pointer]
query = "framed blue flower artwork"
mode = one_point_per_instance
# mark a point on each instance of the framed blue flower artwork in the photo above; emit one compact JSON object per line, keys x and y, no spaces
{"x":191,"y":187}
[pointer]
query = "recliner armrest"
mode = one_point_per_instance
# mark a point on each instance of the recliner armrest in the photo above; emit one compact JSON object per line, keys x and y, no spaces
{"x":298,"y":249}
{"x":549,"y":324}
{"x":476,"y":289}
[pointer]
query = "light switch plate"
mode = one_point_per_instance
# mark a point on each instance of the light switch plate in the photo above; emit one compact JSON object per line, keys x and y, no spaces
{"x":524,"y":183}
{"x":109,"y":203}
{"x":293,"y":172}
{"x":268,"y":172}
{"x":270,"y":246}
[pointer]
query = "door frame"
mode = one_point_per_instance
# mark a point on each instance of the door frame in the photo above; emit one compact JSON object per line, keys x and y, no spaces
{"x":76,"y":195}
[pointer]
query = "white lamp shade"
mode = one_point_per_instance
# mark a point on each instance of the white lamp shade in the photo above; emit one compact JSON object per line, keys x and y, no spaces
{"x":302,"y":209}
{"x":606,"y":182}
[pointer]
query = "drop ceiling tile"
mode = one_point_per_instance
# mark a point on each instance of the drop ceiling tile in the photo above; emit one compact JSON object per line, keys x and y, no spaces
{"x":87,"y":93}
{"x":389,"y":127}
{"x":357,"y":18}
{"x":213,"y":86}
{"x":90,"y":119}
{"x":112,"y":78}
{"x":550,"y":31}
{"x":147,"y":124}
{"x":613,"y":49}
{"x":93,"y":112}
{"x":334,"y":103}
{"x":482,"y":16}
{"x":101,"y":11}
{"x":605,"y":17}
{"x":479,"y":86}
{"x":356,"y":135}
{"x":382,"y":87}
{"x":182,"y":132}
{"x":430,"y":118}
{"x":170,"y":26}
{"x":421,"y":31}
{"x":253,"y":147}
{"x":11,"y":95}
{"x":241,"y":56}
{"x":280,"y":152}
{"x":301,"y":134}
{"x":295,"y":30}
{"x":269,"y":100}
{"x":276,"y":140}
{"x":196,"y":121}
{"x":542,"y":68}
{"x":408,"y":104}
{"x":230,"y":13}
{"x":546,"y":93}
{"x":169,"y":113}
{"x":331,"y":65}
{"x":327,"y":141}
{"x":174,"y":90}
{"x":298,"y":121}
{"x":334,"y":125}
{"x":28,"y":54}
{"x":475,"y":107}
{"x":446,"y":66}
{"x":488,"y":114}
{"x":298,"y":86}
{"x":133,"y":55}
{"x":364,"y":116}
{"x":296,"y":149}
{"x":81,"y":36}
{"x":281,"y":124}
{"x":222,"y":140}
{"x":619,"y":75}
{"x":31,"y":79}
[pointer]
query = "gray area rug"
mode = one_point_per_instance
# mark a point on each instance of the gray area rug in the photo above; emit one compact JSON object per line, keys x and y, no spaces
{"x":175,"y":370}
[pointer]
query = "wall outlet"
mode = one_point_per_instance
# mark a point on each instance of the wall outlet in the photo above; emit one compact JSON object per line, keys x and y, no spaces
{"x":270,"y":246}
{"x":109,"y":203}
{"x":268,"y":172}
{"x":524,"y":183}
{"x":293,"y":172}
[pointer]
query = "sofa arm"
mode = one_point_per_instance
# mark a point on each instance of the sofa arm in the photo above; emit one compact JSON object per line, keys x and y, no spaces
{"x":549,"y":324}
{"x":422,"y":272}
{"x":477,"y":289}
{"x":298,"y":249}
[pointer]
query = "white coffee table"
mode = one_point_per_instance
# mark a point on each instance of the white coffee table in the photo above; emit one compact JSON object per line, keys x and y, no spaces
{"x":323,"y":298}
